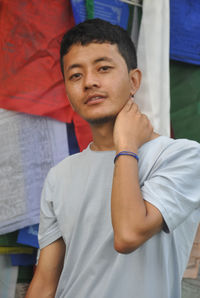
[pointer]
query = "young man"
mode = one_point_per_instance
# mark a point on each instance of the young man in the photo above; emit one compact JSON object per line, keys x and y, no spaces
{"x":123,"y":229}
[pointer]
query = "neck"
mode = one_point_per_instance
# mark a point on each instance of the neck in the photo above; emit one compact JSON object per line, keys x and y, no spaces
{"x":102,"y":137}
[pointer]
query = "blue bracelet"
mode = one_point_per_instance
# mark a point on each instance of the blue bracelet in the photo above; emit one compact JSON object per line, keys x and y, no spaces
{"x":126,"y":153}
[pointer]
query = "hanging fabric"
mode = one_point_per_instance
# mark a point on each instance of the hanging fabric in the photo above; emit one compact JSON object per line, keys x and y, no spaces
{"x":90,"y":9}
{"x":185,"y":31}
{"x":30,"y":146}
{"x":133,"y":2}
{"x":153,"y":96}
{"x":31,"y":80}
{"x":8,"y":277}
{"x":113,"y":11}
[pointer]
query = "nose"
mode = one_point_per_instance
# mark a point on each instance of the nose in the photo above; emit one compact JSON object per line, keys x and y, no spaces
{"x":91,"y":80}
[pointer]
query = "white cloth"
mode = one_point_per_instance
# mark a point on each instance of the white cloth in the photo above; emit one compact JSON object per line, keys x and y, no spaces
{"x":153,"y":97}
{"x":30,"y":146}
{"x":76,"y":205}
{"x":8,"y":277}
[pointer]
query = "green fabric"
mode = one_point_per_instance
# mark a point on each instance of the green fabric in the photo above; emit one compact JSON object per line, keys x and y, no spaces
{"x":131,"y":14}
{"x":25,"y":274}
{"x":9,"y":239}
{"x":185,"y":100}
{"x":130,"y":19}
{"x":8,"y":244}
{"x":90,"y":13}
{"x":90,"y":9}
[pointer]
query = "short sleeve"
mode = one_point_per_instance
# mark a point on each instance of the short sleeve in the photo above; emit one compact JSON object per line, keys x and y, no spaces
{"x":173,"y":185}
{"x":48,"y":227}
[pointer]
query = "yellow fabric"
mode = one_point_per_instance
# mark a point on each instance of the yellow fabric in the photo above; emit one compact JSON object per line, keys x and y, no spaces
{"x":16,"y":250}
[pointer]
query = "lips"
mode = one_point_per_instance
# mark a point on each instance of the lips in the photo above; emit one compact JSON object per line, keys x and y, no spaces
{"x":94,"y":99}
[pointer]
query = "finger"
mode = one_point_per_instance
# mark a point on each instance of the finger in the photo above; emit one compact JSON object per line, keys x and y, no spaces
{"x":136,"y":108}
{"x":147,"y":121}
{"x":145,"y":116}
{"x":129,"y":105}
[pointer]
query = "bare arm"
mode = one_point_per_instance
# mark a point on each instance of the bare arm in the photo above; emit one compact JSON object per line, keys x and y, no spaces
{"x":134,"y":220}
{"x":49,"y":268}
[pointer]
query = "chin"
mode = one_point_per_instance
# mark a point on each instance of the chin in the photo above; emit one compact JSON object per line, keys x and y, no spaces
{"x":100,"y":120}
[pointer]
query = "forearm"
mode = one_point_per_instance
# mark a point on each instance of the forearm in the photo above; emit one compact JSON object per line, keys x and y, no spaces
{"x":45,"y":281}
{"x":132,"y":224}
{"x":40,"y":287}
{"x":134,"y":219}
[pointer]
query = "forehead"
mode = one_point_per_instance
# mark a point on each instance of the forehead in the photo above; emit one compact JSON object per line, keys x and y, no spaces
{"x":80,"y":54}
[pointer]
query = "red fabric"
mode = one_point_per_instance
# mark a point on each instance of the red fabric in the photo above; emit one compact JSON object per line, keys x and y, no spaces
{"x":31,"y":81}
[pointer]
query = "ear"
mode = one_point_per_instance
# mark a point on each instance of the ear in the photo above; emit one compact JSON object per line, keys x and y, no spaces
{"x":135,"y":76}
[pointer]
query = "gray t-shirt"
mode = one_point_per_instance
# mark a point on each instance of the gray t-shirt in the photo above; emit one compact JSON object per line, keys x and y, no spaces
{"x":75,"y":205}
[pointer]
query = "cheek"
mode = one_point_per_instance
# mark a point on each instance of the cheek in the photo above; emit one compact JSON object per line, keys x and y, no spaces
{"x":71,"y":92}
{"x":71,"y":96}
{"x":122,"y":89}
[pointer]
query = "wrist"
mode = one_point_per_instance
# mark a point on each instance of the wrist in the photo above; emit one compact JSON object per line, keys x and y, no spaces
{"x":126,"y":153}
{"x":126,"y":148}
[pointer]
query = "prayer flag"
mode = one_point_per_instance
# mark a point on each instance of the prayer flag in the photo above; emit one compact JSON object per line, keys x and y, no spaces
{"x":31,"y":80}
{"x":185,"y":28}
{"x":113,"y":11}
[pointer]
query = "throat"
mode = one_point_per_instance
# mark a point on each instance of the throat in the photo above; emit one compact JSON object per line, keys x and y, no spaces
{"x":102,"y":137}
{"x":100,"y":147}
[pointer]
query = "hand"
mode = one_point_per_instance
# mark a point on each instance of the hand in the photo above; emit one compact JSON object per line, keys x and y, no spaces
{"x":132,"y":128}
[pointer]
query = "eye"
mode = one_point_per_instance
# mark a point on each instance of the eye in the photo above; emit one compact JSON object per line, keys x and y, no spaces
{"x":75,"y":77}
{"x":105,"y":68}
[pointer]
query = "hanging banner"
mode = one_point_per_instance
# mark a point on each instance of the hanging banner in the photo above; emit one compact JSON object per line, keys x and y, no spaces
{"x":185,"y":100}
{"x":113,"y":11}
{"x":30,"y":146}
{"x":90,"y":9}
{"x":29,"y":236}
{"x":185,"y":31}
{"x":153,"y":96}
{"x":30,"y":76}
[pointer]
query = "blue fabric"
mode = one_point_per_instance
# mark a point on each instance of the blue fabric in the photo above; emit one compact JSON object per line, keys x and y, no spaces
{"x":72,"y":141}
{"x":113,"y":11}
{"x":23,"y":259}
{"x":185,"y":31}
{"x":28,"y":236}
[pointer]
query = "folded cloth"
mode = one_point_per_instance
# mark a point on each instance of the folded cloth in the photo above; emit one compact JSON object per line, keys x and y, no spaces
{"x":30,"y":146}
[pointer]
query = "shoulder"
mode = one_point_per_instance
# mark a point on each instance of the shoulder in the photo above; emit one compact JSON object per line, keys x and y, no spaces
{"x":179,"y":150}
{"x":63,"y":169}
{"x":71,"y":161}
{"x":164,"y":147}
{"x":165,"y":153}
{"x":183,"y":144}
{"x":177,"y":158}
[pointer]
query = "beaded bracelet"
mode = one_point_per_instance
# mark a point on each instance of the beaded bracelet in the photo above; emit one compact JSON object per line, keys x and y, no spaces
{"x":126,"y":153}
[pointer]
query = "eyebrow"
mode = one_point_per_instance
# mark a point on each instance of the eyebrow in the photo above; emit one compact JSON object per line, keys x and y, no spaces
{"x":75,"y":65}
{"x":103,"y":59}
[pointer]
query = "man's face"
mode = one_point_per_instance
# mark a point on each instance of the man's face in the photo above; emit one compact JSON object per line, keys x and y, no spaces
{"x":97,"y":81}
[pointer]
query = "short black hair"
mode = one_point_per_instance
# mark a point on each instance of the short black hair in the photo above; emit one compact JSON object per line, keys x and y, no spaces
{"x":99,"y":31}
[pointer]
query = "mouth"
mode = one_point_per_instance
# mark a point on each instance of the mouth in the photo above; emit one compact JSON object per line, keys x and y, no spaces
{"x":95,"y":99}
